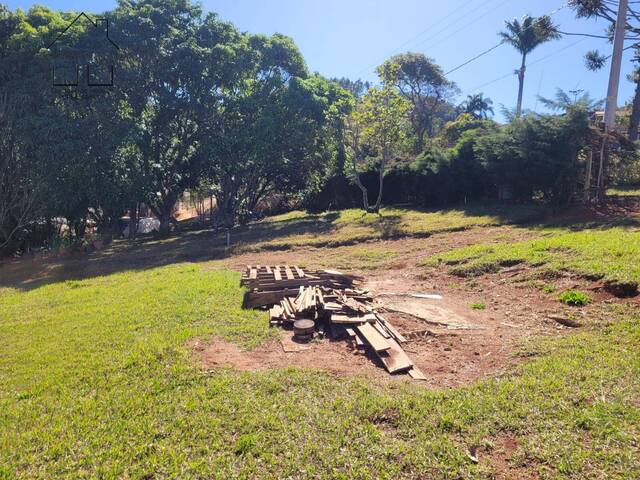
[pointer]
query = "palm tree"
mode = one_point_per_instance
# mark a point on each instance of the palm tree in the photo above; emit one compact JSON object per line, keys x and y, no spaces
{"x":478,"y":106}
{"x":525,"y":36}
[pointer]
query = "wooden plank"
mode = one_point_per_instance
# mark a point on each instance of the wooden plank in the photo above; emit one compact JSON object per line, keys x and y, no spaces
{"x":276,"y":273}
{"x":270,"y":283}
{"x":253,"y":274}
{"x":288,"y":272}
{"x":275,"y":313}
{"x":333,"y":307}
{"x":416,"y":373}
{"x":320,"y":296}
{"x":373,"y":338}
{"x":342,"y":319}
{"x":299,"y":271}
{"x":394,"y":333}
{"x":259,"y":299}
{"x":268,"y":268}
{"x":394,"y":359}
{"x":381,"y":329}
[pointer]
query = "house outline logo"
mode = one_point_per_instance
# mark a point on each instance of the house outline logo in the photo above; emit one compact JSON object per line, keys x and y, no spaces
{"x":95,"y":23}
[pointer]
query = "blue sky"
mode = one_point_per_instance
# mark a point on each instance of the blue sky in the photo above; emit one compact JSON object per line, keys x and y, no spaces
{"x":350,"y":37}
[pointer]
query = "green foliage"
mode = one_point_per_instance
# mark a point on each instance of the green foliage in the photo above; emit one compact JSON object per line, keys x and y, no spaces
{"x":611,"y":253}
{"x":478,"y":106}
{"x":196,"y":102}
{"x":381,"y":115}
{"x":537,"y":155}
{"x":452,"y":131}
{"x":527,"y":34}
{"x":574,"y":298}
{"x":563,"y":101}
{"x":421,"y":81}
{"x":548,"y":288}
{"x":478,"y":306}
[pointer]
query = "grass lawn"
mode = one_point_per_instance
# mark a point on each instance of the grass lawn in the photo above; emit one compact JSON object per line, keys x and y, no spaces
{"x":97,"y":381}
{"x":613,"y":254}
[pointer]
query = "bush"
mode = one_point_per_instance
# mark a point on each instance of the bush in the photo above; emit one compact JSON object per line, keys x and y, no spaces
{"x":574,"y":298}
{"x":536,"y":156}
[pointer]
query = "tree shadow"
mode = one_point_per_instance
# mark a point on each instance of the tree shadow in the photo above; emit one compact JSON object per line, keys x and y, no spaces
{"x":205,"y":245}
{"x":152,"y":252}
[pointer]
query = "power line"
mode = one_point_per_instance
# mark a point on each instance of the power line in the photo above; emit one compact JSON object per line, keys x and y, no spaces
{"x":464,"y":27}
{"x":423,"y":42}
{"x":448,"y":25}
{"x":474,"y":58}
{"x":550,"y":14}
{"x":462,"y":6}
{"x":491,"y":82}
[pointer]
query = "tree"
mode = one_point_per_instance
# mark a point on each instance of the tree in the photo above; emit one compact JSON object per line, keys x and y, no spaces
{"x":268,"y":132}
{"x":174,"y":58}
{"x":478,"y":106}
{"x":538,"y":155}
{"x":420,"y":81}
{"x":357,"y":88}
{"x":376,"y":128}
{"x":20,"y":187}
{"x":563,"y":101}
{"x":525,"y":36}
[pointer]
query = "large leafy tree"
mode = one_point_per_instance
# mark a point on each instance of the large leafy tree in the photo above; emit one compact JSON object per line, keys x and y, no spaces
{"x":525,"y":36}
{"x":73,"y":173}
{"x":270,"y":133}
{"x":174,"y":58}
{"x":376,"y":130}
{"x":420,"y":81}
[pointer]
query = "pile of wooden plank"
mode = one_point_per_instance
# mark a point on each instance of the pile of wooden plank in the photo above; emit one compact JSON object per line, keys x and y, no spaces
{"x":332,"y":301}
{"x":268,"y":285}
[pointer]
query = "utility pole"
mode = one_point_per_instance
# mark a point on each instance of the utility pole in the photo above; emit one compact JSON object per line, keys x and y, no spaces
{"x":616,"y":61}
{"x":611,"y":105}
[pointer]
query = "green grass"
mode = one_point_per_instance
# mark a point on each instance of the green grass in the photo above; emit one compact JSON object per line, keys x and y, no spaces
{"x":613,"y":254}
{"x":574,"y":298}
{"x":478,"y":306}
{"x":624,"y":191}
{"x":98,"y":382}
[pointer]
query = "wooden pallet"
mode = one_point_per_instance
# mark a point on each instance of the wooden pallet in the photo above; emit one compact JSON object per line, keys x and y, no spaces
{"x":329,"y":299}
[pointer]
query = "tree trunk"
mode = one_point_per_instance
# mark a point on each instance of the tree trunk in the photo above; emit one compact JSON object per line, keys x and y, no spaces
{"x":634,"y":121}
{"x":365,"y":194}
{"x":133,"y":221}
{"x":520,"y":86}
{"x":165,"y":222}
{"x":164,"y":212}
{"x":378,"y":204}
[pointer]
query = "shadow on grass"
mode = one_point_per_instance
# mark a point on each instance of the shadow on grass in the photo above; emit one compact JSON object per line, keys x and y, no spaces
{"x":283,"y":234}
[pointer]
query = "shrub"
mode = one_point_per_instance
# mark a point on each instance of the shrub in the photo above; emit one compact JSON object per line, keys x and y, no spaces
{"x":574,"y":298}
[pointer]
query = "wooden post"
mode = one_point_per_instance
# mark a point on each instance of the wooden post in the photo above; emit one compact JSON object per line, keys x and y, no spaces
{"x":587,"y":177}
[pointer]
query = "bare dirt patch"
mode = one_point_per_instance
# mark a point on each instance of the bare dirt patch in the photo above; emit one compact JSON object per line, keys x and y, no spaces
{"x":332,"y":356}
{"x":449,"y":341}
